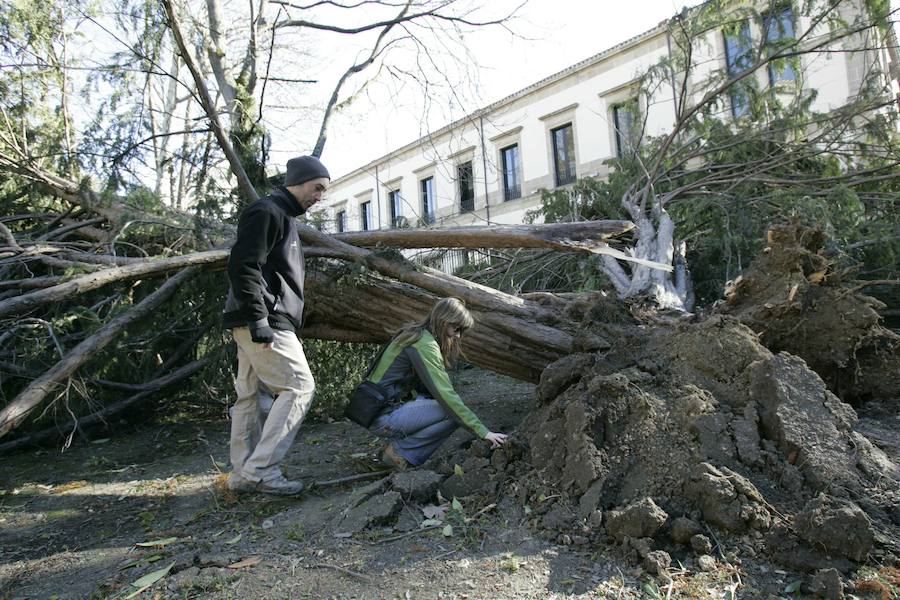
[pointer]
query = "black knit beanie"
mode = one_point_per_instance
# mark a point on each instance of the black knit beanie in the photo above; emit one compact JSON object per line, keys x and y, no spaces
{"x":302,"y":169}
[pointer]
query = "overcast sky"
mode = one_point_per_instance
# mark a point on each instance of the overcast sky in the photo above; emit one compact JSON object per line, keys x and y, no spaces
{"x":557,"y":34}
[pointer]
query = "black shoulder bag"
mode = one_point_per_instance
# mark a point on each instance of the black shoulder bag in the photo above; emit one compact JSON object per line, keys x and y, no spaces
{"x":368,"y":399}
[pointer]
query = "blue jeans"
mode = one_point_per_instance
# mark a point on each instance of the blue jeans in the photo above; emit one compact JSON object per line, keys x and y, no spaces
{"x":416,"y":429}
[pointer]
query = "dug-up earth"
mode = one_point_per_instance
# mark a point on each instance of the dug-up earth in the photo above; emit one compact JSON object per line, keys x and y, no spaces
{"x":144,"y":514}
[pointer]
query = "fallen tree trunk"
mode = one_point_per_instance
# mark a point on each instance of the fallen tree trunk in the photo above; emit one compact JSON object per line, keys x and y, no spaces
{"x":372,"y":309}
{"x":560,"y":236}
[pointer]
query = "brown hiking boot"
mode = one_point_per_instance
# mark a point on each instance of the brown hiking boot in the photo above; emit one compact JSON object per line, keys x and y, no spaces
{"x":278,"y":486}
{"x":390,"y":458}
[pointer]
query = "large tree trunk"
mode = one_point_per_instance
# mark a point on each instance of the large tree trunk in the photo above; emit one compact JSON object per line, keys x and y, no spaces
{"x":509,"y":336}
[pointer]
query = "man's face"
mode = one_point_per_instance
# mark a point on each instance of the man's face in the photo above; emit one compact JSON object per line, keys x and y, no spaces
{"x":307,"y":194}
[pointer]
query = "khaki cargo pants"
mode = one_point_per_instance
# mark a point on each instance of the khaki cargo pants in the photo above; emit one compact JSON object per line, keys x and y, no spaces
{"x":258,"y":442}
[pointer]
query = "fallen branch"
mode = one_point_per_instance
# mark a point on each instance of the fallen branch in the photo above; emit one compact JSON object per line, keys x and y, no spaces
{"x":93,"y":281}
{"x":31,"y":397}
{"x":342,"y":570}
{"x":561,"y":236}
{"x":108,"y":411}
{"x":349,"y":479}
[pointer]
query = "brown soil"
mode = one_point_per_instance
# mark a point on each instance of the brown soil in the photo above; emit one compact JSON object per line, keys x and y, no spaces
{"x":797,"y":302}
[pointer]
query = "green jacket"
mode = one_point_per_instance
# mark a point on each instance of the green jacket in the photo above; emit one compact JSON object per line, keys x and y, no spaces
{"x":420,"y":367}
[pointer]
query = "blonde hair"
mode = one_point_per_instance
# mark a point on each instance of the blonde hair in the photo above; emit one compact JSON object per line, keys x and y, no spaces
{"x":446,"y":313}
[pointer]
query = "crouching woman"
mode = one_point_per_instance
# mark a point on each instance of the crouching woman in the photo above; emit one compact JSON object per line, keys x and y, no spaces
{"x":414,"y":365}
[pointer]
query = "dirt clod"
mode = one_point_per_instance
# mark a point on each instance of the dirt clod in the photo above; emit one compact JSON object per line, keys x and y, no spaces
{"x":838,"y":526}
{"x":418,"y":485}
{"x":683,"y":529}
{"x":827,"y":584}
{"x":701,"y":544}
{"x":657,"y":561}
{"x":638,"y":520}
{"x":377,"y":510}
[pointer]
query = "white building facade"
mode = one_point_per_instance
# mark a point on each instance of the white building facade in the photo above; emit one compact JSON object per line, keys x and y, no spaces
{"x":491,"y":166}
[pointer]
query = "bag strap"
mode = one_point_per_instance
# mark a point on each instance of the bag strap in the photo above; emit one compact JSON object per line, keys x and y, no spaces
{"x":375,"y":361}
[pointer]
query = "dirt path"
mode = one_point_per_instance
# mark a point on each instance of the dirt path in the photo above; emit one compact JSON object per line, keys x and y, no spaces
{"x":70,"y":525}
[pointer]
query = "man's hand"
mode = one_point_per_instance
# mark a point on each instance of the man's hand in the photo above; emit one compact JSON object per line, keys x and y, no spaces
{"x":262,"y":335}
{"x":496,"y":439}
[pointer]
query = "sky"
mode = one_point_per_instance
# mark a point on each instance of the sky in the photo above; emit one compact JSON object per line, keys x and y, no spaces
{"x":552,"y":35}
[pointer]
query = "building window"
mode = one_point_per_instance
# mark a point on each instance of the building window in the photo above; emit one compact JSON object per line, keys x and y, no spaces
{"x":466,"y":181}
{"x":779,"y":28}
{"x":510,"y":158}
{"x":428,"y":200}
{"x":365,"y":216}
{"x":395,"y":202}
{"x":624,"y":117}
{"x":340,"y":221}
{"x":564,"y":154}
{"x":739,"y":58}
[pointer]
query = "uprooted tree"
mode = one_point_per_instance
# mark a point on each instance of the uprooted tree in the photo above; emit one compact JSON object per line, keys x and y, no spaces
{"x":649,"y":425}
{"x":747,"y":146}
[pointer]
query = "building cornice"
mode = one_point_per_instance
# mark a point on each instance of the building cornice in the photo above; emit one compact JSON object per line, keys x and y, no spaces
{"x":558,"y":112}
{"x":547,"y":81}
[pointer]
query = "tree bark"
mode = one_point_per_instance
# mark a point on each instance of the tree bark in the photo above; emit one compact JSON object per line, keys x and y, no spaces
{"x":513,"y":342}
{"x":583,"y":235}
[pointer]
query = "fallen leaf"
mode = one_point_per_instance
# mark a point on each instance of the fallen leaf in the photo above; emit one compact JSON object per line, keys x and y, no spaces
{"x":430,"y":522}
{"x":234,"y":540}
{"x":250,"y":561}
{"x":816,"y":277}
{"x":456,"y":505}
{"x":149,"y":579}
{"x":458,"y":471}
{"x":512,"y":564}
{"x":448,"y":531}
{"x":157,"y":543}
{"x":432,"y":511}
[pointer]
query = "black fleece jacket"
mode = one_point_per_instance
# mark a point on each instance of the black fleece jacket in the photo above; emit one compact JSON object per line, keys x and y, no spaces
{"x":265,"y":267}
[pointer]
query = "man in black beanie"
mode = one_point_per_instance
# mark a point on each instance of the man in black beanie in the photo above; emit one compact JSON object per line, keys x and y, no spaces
{"x":264,"y":310}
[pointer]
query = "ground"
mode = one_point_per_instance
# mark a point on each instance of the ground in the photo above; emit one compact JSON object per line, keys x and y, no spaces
{"x":77,"y":525}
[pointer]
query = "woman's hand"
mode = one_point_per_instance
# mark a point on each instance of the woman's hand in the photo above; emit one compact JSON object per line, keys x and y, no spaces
{"x":496,"y":439}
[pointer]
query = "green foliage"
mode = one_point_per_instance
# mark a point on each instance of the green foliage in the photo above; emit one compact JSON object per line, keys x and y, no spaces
{"x":32,"y":98}
{"x":526,"y":271}
{"x":337,"y":368}
{"x":248,"y":136}
{"x":144,"y":199}
{"x":588,"y":199}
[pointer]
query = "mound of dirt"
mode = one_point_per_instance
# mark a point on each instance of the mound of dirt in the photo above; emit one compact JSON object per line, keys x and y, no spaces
{"x":797,"y":302}
{"x":707,"y":441}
